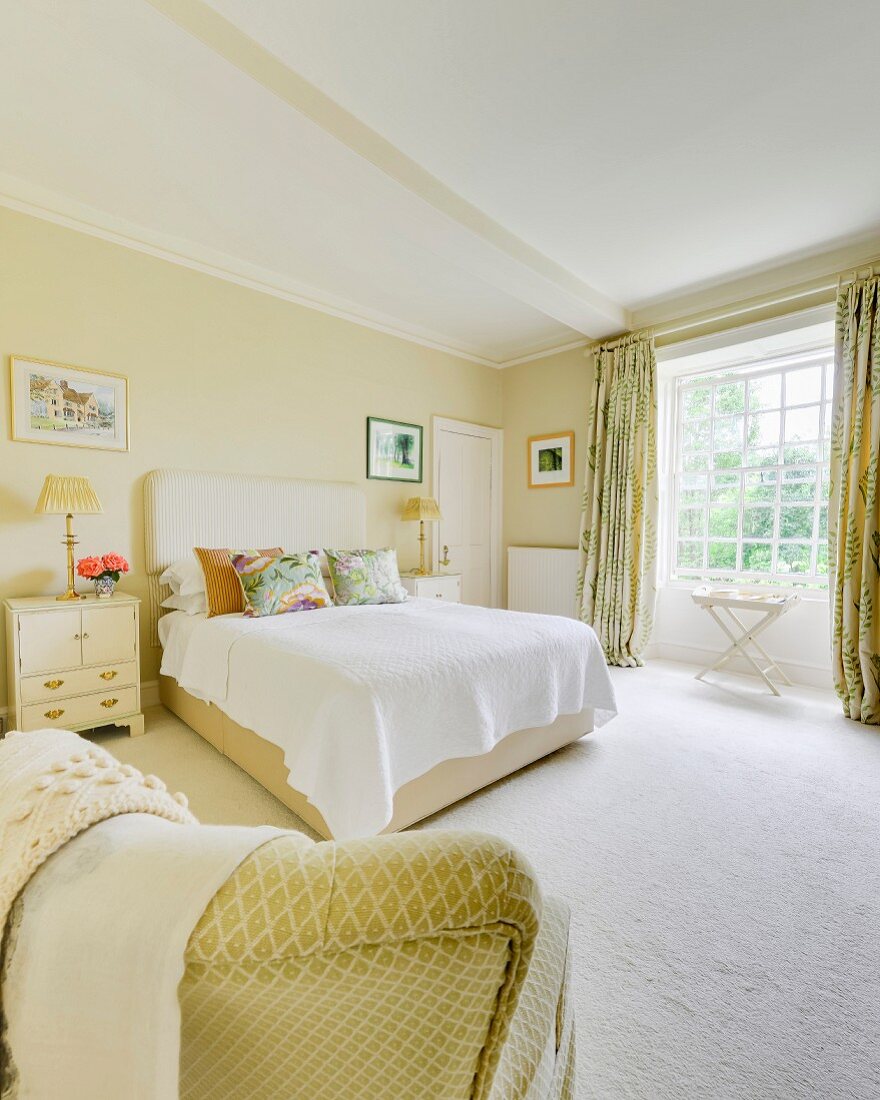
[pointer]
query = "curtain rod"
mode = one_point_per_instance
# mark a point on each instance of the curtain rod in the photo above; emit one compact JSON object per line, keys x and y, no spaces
{"x":824,"y":284}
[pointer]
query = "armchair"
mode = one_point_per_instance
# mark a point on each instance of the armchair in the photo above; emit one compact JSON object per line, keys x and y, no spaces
{"x":396,"y":967}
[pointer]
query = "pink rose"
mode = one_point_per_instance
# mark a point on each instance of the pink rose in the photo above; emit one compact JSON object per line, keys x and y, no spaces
{"x":115,"y":563}
{"x":90,"y":567}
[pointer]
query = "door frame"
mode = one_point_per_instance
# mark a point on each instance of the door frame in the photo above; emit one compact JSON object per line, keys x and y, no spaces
{"x":496,"y":437}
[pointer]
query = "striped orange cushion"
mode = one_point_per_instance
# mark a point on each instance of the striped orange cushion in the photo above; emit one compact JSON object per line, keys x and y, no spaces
{"x":225,"y":596}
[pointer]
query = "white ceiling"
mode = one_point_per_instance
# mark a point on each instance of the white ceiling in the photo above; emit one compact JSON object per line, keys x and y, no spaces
{"x":518,"y":174}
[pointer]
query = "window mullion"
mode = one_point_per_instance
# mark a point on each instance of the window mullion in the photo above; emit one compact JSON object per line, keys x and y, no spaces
{"x":678,"y":464}
{"x":742,"y":480}
{"x":709,"y":478}
{"x":780,"y":473}
{"x":820,"y":477}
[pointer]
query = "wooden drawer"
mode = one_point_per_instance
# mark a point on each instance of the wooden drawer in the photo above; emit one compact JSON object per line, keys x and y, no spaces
{"x":49,"y":640}
{"x":96,"y":710}
{"x":79,"y":681}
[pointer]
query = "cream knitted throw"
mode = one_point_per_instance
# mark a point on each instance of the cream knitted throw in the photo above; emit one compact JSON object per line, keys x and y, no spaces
{"x":90,"y":976}
{"x":54,"y":784}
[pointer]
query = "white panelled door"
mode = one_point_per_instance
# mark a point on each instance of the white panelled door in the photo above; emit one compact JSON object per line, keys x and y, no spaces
{"x":466,"y":486}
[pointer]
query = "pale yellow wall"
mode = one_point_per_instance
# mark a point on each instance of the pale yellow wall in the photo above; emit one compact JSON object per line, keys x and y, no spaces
{"x":548,"y":395}
{"x":221,"y":377}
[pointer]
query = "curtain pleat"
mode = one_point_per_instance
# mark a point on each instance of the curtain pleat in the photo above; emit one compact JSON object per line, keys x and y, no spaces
{"x":854,"y":507}
{"x":618,"y":543}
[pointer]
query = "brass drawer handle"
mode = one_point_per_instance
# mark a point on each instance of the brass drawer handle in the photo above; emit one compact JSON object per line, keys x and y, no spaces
{"x":108,"y":703}
{"x":53,"y":714}
{"x":77,"y":637}
{"x":53,"y":685}
{"x":110,"y":675}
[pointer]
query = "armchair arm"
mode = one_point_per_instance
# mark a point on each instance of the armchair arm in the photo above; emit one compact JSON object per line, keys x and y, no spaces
{"x":388,"y":967}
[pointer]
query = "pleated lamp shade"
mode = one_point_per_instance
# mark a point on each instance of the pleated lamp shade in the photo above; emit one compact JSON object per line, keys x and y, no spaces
{"x":67,"y":496}
{"x":421,"y":508}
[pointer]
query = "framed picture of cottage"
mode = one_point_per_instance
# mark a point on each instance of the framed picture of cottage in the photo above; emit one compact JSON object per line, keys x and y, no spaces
{"x":71,"y":406}
{"x":394,"y":450}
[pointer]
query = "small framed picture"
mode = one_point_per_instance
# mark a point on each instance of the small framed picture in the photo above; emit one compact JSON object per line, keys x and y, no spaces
{"x":394,"y":450}
{"x":551,"y":460}
{"x":70,"y":406}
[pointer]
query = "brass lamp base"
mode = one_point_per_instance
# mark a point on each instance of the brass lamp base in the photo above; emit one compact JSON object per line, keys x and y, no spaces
{"x":69,"y":541}
{"x":422,"y":571}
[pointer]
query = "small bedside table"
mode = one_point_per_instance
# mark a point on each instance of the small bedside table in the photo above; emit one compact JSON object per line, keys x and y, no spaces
{"x":74,"y":665}
{"x":434,"y":586}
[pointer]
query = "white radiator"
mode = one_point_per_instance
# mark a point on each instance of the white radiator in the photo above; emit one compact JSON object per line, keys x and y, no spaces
{"x":542,"y":579}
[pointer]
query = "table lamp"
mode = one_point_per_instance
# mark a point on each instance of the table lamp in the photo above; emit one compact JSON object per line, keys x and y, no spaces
{"x":68,"y":496}
{"x":421,"y":509}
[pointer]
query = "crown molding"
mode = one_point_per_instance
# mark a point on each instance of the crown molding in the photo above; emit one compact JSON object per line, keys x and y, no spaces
{"x":769,"y":279}
{"x":546,"y":353}
{"x":26,"y":198}
{"x":790,"y":288}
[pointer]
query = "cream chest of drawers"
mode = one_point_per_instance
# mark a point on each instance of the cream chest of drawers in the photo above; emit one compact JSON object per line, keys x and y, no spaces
{"x":74,"y":665}
{"x":436,"y":586}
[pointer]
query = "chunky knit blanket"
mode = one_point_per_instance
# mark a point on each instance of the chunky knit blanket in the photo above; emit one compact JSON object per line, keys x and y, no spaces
{"x":54,"y":784}
{"x":94,"y":951}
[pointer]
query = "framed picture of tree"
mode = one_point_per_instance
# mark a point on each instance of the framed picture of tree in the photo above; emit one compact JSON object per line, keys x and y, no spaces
{"x":551,"y":460}
{"x":394,"y":450}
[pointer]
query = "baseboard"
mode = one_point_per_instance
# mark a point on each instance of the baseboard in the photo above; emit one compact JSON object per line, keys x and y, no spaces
{"x":150,"y":693}
{"x":815,"y":676}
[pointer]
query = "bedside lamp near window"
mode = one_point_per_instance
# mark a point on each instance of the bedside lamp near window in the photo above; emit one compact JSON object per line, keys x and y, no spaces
{"x":68,"y":496}
{"x":421,"y":509}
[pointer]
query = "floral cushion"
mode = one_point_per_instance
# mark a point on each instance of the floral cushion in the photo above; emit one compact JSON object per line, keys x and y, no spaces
{"x":275,"y":585}
{"x":220,"y":579}
{"x":365,"y":576}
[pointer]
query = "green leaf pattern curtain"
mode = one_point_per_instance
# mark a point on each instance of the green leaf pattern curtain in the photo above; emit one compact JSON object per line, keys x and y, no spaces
{"x":618,"y":543}
{"x":854,"y":508}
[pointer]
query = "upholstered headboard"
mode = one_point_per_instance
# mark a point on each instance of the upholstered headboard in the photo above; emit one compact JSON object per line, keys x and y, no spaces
{"x":186,"y":508}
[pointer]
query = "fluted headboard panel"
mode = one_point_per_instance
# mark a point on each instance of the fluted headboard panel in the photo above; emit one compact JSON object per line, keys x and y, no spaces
{"x":186,"y":508}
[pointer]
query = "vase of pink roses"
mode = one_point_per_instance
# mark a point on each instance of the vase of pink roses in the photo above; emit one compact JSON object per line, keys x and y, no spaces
{"x":104,"y":571}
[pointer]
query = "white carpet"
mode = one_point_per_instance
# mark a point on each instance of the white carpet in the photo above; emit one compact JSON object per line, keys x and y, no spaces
{"x":719,"y":850}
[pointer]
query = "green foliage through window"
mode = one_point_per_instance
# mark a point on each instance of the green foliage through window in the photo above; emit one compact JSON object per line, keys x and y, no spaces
{"x":751,"y":472}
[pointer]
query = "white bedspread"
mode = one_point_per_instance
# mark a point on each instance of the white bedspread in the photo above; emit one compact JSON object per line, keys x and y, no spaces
{"x":363,"y":699}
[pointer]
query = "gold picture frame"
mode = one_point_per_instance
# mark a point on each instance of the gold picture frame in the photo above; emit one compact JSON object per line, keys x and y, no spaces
{"x":551,"y":460}
{"x":62,"y":405}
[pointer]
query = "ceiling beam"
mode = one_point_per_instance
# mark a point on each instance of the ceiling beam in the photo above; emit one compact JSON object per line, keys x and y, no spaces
{"x":491,"y":252}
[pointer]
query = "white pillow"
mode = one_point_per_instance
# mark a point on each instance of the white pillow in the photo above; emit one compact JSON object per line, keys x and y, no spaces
{"x":194,"y":604}
{"x":185,"y":577}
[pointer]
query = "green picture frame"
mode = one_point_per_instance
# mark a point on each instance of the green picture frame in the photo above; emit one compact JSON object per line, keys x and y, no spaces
{"x":395,"y":450}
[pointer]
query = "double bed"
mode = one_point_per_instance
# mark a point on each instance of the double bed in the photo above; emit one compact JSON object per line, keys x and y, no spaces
{"x":361,"y":719}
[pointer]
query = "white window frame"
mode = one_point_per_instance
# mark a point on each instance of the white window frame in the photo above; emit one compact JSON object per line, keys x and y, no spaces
{"x":671,"y":426}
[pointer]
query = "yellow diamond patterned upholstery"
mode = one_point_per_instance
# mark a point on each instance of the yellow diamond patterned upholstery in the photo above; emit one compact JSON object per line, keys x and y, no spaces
{"x":543,"y":1014}
{"x":382,"y":968}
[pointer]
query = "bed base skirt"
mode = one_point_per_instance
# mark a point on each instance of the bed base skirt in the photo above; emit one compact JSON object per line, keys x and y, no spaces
{"x":444,"y":784}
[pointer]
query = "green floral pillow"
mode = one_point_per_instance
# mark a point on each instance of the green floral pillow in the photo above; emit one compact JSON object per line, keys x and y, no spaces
{"x":365,"y":576}
{"x":273,"y":586}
